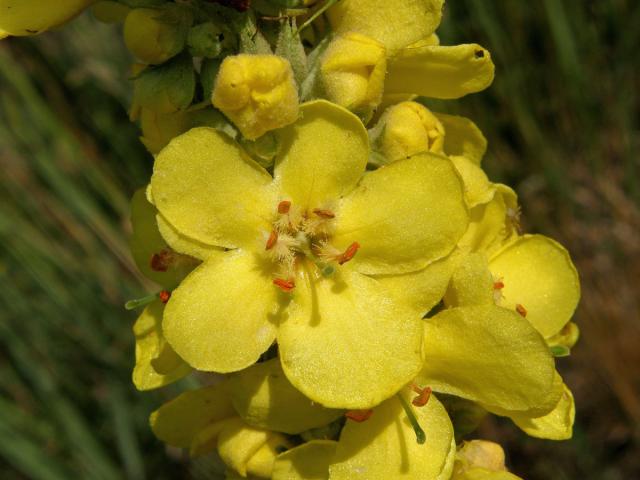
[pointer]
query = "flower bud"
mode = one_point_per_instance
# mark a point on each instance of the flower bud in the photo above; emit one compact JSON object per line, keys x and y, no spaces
{"x":159,"y":128}
{"x":257,"y":93}
{"x":480,"y":454}
{"x":409,"y":128}
{"x":152,"y":38}
{"x":29,"y":17}
{"x":353,"y":70}
{"x":205,"y":40}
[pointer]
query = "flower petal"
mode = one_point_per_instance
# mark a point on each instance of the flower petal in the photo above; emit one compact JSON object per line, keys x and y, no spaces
{"x":462,"y":138}
{"x":538,"y":274}
{"x":422,"y":289}
{"x":396,"y":23}
{"x":182,"y":244}
{"x":322,"y":155}
{"x":210,"y":190}
{"x":477,"y":188}
{"x":346,"y":343}
{"x":309,"y":461}
{"x":220,"y":318}
{"x":404,"y":215}
{"x":146,"y":242}
{"x":440,"y":72}
{"x":484,"y":474}
{"x":384,"y":446}
{"x":487,"y":354}
{"x":157,"y":364}
{"x":556,"y":425}
{"x":178,"y":421}
{"x":471,"y":283}
{"x":264,"y":398}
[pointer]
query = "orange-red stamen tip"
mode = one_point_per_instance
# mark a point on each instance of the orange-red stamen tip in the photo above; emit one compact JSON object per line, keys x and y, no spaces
{"x":423,"y":396}
{"x":359,"y":415}
{"x":349,"y":253}
{"x":164,"y":296}
{"x":521,"y":310}
{"x":273,"y":238}
{"x":499,"y":285}
{"x":284,"y":285}
{"x":284,"y":206}
{"x":324,"y":213}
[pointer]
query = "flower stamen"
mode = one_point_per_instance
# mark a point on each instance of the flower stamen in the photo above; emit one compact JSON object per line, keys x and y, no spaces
{"x":423,"y":395}
{"x":359,"y":415}
{"x":164,"y":296}
{"x":284,"y":206}
{"x":284,"y":285}
{"x":324,"y":213}
{"x":521,"y":310}
{"x":271,"y":241}
{"x":349,"y":253}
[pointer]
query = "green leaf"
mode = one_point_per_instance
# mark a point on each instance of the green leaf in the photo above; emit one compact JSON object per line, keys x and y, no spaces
{"x":289,"y":46}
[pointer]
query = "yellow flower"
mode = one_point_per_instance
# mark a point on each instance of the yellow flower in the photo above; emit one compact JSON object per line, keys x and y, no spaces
{"x":380,"y":448}
{"x":150,"y":38}
{"x":395,"y":23}
{"x":204,"y":421}
{"x":416,"y":63}
{"x":319,"y":229}
{"x":409,"y":128}
{"x":257,"y":92}
{"x":30,"y":17}
{"x":353,"y":70}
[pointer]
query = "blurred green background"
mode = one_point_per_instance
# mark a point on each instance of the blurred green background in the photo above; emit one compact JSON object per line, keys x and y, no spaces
{"x":562,"y":119}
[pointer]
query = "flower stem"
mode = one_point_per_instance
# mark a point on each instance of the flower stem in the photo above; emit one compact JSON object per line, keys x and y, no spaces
{"x":141,"y":302}
{"x":420,"y":435}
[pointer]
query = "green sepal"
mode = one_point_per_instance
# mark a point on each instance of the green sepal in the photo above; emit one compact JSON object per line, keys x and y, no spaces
{"x":289,"y":46}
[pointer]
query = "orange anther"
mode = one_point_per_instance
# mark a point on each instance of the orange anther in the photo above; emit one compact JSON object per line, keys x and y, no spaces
{"x":273,"y":238}
{"x":164,"y":296}
{"x":324,"y":213}
{"x":423,"y":395}
{"x":284,"y":285}
{"x":349,"y":253}
{"x":359,"y":415}
{"x":284,"y":206}
{"x":499,"y":285}
{"x":521,"y":310}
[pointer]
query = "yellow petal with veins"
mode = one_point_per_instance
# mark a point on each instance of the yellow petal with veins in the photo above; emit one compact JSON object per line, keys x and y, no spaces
{"x":183,"y":244}
{"x":178,"y":421}
{"x":440,"y":72}
{"x":477,"y":473}
{"x":538,"y":274}
{"x":404,"y":215}
{"x":477,"y":188}
{"x":221,"y":317}
{"x":384,"y":446}
{"x":211,"y":191}
{"x":395,"y":23}
{"x":264,"y":398}
{"x":471,"y":283}
{"x":346,"y":343}
{"x":322,"y":156}
{"x":309,"y":461}
{"x":489,"y":355}
{"x":157,"y":364}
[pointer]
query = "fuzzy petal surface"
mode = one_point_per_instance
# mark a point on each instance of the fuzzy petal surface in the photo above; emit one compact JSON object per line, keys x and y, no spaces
{"x":157,"y":364}
{"x":384,"y":446}
{"x":264,"y":398}
{"x":322,"y":155}
{"x":462,"y":138}
{"x":395,"y":23}
{"x":309,"y":461}
{"x":487,"y":354}
{"x":221,"y":317}
{"x":210,"y":190}
{"x":556,"y":425}
{"x":538,"y":273}
{"x":440,"y":72}
{"x":346,"y":343}
{"x":178,"y":421}
{"x":404,"y":215}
